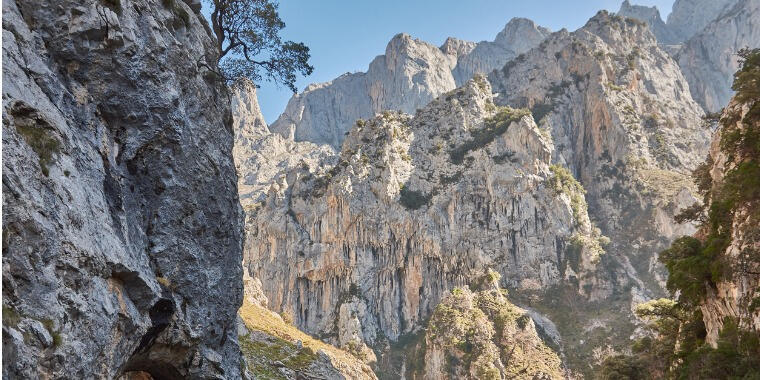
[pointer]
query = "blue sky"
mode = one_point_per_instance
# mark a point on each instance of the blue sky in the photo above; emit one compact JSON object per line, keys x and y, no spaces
{"x":344,"y":36}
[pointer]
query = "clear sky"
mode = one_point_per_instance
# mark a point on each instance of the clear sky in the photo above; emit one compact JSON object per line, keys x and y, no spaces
{"x":345,"y":35}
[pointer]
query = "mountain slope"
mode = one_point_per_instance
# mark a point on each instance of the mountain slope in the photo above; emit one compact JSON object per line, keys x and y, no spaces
{"x":709,"y":59}
{"x":622,"y":120}
{"x":407,"y":77}
{"x":416,"y":206}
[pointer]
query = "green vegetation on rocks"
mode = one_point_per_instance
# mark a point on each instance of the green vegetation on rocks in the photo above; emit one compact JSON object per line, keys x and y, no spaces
{"x":676,"y":346}
{"x":563,"y":182}
{"x":481,"y":335}
{"x":493,"y":127}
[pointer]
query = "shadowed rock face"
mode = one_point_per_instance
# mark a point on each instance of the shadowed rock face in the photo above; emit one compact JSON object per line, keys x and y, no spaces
{"x":407,"y":77}
{"x":690,"y":17}
{"x":122,"y":229}
{"x":709,"y":58}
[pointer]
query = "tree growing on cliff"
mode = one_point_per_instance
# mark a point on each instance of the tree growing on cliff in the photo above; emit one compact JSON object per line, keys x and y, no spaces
{"x":249,"y":43}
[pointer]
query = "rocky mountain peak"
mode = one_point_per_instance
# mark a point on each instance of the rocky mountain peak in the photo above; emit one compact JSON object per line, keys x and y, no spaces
{"x":456,"y":47}
{"x":410,"y":74}
{"x":689,"y":17}
{"x":521,"y":34}
{"x":618,"y":32}
{"x":651,"y":16}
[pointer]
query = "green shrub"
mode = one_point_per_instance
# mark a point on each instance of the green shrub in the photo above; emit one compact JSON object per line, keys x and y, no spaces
{"x":493,"y":127}
{"x":737,"y":356}
{"x":689,"y":269}
{"x":10,"y":316}
{"x":621,"y":367}
{"x":540,"y":110}
{"x":563,"y":182}
{"x":412,"y":199}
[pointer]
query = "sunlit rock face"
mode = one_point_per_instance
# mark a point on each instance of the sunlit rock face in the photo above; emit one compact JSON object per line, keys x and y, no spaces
{"x":735,"y":294}
{"x":408,"y":76}
{"x":622,"y":119}
{"x":414,"y":207}
{"x":704,"y":37}
{"x":362,"y":244}
{"x":690,"y":17}
{"x":651,"y":15}
{"x":479,"y":333}
{"x":122,"y":230}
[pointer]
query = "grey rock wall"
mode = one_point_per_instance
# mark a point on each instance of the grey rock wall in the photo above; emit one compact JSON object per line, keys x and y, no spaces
{"x":122,"y":230}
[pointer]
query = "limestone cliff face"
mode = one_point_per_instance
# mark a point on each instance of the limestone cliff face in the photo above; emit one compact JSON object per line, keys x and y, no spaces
{"x":122,"y":229}
{"x":690,"y":17}
{"x":623,"y":121}
{"x":704,"y":37}
{"x":651,"y":15}
{"x":519,"y":36}
{"x":709,"y":58}
{"x":261,"y":156}
{"x":415,"y":206}
{"x":407,"y":77}
{"x":737,"y":295}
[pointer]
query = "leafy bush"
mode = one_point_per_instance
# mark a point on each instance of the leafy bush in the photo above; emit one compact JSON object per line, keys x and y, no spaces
{"x":563,"y":182}
{"x":494,"y":126}
{"x":689,"y":269}
{"x":737,"y":356}
{"x":621,"y":367}
{"x":412,"y":199}
{"x":540,"y":110}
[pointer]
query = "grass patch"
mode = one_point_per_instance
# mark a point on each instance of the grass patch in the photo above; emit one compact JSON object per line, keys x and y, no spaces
{"x":260,"y":319}
{"x":42,"y":143}
{"x":10,"y":316}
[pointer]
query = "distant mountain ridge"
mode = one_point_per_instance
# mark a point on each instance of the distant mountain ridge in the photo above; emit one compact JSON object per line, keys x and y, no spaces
{"x":409,"y":75}
{"x":704,"y":37}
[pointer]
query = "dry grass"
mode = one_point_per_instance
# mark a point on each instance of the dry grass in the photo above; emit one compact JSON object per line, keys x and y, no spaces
{"x":666,"y":183}
{"x":261,"y":319}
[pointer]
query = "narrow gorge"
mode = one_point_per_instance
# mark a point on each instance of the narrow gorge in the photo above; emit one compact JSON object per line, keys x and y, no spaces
{"x":543,"y":205}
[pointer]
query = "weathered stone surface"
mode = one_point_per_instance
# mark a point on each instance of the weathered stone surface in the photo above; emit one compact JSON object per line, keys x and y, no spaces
{"x":733,"y":296}
{"x":414,"y":207}
{"x":651,"y":16}
{"x":262,"y":157}
{"x":519,"y":36}
{"x":622,"y":120}
{"x":709,"y":58}
{"x":407,"y":77}
{"x":690,"y":17}
{"x":122,"y":229}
